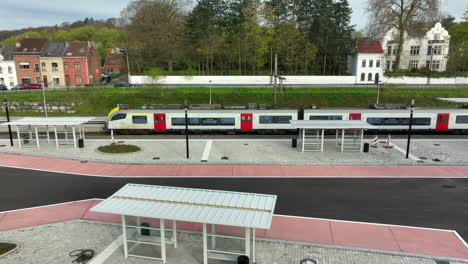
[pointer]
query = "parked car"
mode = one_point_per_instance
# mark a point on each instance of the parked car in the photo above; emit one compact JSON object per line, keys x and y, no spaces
{"x":3,"y":87}
{"x":105,"y":79}
{"x":17,"y":87}
{"x":31,"y":86}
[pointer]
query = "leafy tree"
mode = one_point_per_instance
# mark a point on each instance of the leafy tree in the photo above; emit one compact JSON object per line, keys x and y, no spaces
{"x":401,"y":14}
{"x":458,"y":60}
{"x":448,"y":21}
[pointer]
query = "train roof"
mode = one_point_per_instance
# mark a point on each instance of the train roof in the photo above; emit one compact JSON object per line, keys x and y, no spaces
{"x":144,"y":111}
{"x":363,"y":110}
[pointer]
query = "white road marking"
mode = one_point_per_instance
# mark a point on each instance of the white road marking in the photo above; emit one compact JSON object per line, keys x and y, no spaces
{"x":206,"y":151}
{"x":404,"y":152}
{"x":42,"y":206}
{"x":106,"y":253}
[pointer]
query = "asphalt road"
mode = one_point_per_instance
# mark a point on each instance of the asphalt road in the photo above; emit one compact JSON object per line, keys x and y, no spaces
{"x":434,"y":203}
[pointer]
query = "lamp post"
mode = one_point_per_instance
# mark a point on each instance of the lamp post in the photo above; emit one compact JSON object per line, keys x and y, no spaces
{"x":409,"y":130}
{"x":377,"y":82}
{"x":44,"y":98}
{"x":186,"y":133}
{"x":128,"y":65}
{"x":5,"y":104}
{"x":210,"y":91}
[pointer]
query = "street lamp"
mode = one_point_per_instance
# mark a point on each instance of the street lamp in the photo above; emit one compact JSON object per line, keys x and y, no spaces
{"x":128,"y":65}
{"x":409,"y":130}
{"x":210,"y":91}
{"x":5,"y":104}
{"x":43,"y":97}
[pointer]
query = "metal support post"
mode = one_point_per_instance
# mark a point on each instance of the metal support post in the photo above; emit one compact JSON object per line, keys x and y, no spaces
{"x":43,"y":97}
{"x":124,"y":235}
{"x":66,"y":134}
{"x":210,"y":91}
{"x":342,"y":140}
{"x":74,"y":137}
{"x":323,"y":139}
{"x":37,"y":137}
{"x":48,"y":136}
{"x":303,"y":139}
{"x":409,"y":129}
{"x":56,"y":137}
{"x":7,"y":111}
{"x":186,"y":134}
{"x":336,"y":138}
{"x":83,"y":131}
{"x":205,"y":246}
{"x":163,"y":240}
{"x":253,"y":245}
{"x":174,"y":232}
{"x":213,"y":233}
{"x":247,"y":242}
{"x":19,"y":137}
{"x":362,"y":140}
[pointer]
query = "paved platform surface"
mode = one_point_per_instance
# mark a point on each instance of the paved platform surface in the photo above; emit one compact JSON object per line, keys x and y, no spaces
{"x":130,"y":170}
{"x":432,"y":242}
{"x":254,"y":151}
{"x":51,"y":243}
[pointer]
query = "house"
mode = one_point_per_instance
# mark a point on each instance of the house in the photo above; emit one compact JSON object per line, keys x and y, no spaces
{"x":7,"y":67}
{"x":115,"y":62}
{"x":421,"y":49}
{"x":52,"y":64}
{"x":366,"y":62}
{"x":27,"y":54}
{"x":81,"y":64}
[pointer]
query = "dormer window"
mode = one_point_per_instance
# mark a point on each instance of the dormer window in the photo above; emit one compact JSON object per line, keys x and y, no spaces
{"x":69,"y":54}
{"x":25,"y":49}
{"x":82,"y":50}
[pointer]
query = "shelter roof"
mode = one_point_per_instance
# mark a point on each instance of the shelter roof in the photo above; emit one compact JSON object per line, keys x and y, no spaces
{"x":455,"y":100}
{"x":330,"y":124}
{"x":191,"y":205}
{"x":49,"y":121}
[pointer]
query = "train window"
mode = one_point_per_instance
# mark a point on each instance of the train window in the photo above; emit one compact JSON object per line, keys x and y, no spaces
{"x":119,"y":117}
{"x":334,"y":117}
{"x":227,"y":121}
{"x":275,"y":119}
{"x":178,"y":121}
{"x":194,"y":121}
{"x":390,"y":121}
{"x":209,"y":122}
{"x":462,"y":119}
{"x":139,"y":119}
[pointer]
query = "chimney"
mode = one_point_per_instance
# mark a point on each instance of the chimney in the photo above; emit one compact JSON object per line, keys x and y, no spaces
{"x":18,"y":43}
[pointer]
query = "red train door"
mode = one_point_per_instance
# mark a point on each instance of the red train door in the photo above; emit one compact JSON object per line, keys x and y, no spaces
{"x":442,"y":122}
{"x":160,"y":122}
{"x":355,"y":116}
{"x":246,"y":122}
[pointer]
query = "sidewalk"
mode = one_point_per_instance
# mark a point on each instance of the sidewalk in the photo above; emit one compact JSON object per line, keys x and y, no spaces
{"x":129,"y":170}
{"x":413,"y":240}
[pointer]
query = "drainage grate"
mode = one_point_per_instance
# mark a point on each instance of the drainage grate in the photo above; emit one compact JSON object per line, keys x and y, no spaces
{"x":224,"y":158}
{"x":84,"y":161}
{"x":156,"y":158}
{"x":423,"y":158}
{"x":437,"y":145}
{"x":449,"y":186}
{"x":204,"y":160}
{"x":120,"y":142}
{"x":442,"y":261}
{"x":436,"y":160}
{"x":308,"y":261}
{"x":246,"y":144}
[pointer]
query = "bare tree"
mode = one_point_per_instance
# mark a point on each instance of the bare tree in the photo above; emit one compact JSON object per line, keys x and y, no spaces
{"x":401,"y":14}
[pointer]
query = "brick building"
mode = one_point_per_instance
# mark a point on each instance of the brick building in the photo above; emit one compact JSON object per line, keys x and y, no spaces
{"x":27,"y":54}
{"x":115,"y":62}
{"x":81,"y":64}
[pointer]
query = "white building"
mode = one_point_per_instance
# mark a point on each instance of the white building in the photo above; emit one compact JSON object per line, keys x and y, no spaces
{"x":421,"y":50}
{"x":367,"y":61}
{"x":7,"y":67}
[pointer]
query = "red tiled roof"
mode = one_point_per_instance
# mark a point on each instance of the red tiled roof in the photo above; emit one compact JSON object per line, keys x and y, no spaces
{"x":368,"y":46}
{"x":31,"y":45}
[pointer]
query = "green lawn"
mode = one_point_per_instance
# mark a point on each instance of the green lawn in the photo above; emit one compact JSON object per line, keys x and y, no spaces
{"x":98,"y":101}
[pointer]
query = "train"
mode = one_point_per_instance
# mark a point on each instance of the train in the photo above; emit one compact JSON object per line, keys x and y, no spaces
{"x":167,"y":118}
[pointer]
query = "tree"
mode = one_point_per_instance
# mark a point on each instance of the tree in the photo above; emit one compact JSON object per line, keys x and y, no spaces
{"x":459,"y":46}
{"x":448,"y":21}
{"x":401,"y":14}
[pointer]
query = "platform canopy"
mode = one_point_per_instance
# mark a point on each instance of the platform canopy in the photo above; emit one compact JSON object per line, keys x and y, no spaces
{"x":330,"y":124}
{"x":49,"y":121}
{"x":191,"y":205}
{"x":455,"y":100}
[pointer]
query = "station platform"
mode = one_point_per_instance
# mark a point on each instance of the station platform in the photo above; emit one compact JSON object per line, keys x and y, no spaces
{"x":381,"y":237}
{"x":129,"y":170}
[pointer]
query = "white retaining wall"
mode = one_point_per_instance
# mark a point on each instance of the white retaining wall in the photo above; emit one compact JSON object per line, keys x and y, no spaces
{"x":297,"y":80}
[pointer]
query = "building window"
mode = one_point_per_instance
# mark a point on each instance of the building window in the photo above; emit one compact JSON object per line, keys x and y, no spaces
{"x":388,"y":65}
{"x":78,"y":79}
{"x":414,"y":64}
{"x":38,"y":80}
{"x":55,"y":67}
{"x":1,"y":70}
{"x":363,"y":63}
{"x":65,"y":66}
{"x":371,"y":63}
{"x":393,"y":65}
{"x":369,"y":77}
{"x":395,"y":51}
{"x":434,"y":66}
{"x":363,"y":77}
{"x":43,"y":65}
{"x":12,"y":84}
{"x":10,"y":70}
{"x":414,"y":50}
{"x":26,"y":80}
{"x":437,"y":50}
{"x":77,"y":66}
{"x":389,"y":50}
{"x":24,"y":65}
{"x":2,"y":81}
{"x":36,"y":67}
{"x":56,"y":81}
{"x":377,"y":77}
{"x":377,"y":64}
{"x":436,"y":36}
